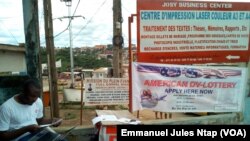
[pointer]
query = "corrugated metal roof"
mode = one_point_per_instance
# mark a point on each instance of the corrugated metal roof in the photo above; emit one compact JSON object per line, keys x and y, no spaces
{"x":13,"y":48}
{"x":101,"y":70}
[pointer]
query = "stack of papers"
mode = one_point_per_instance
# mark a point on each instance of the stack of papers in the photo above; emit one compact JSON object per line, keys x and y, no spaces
{"x":129,"y":121}
{"x":54,"y":123}
{"x":114,"y":118}
{"x":104,"y":118}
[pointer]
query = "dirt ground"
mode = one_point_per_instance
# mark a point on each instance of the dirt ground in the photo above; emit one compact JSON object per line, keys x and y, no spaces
{"x":71,"y":117}
{"x":70,"y":113}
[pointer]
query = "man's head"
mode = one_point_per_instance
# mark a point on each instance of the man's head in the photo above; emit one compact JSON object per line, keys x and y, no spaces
{"x":31,"y":91}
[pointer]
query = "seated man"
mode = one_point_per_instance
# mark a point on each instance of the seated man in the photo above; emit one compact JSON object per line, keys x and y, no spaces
{"x":22,"y":113}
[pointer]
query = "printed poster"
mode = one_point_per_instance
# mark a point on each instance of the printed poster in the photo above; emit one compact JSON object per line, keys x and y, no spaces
{"x":179,"y":88}
{"x":106,"y":91}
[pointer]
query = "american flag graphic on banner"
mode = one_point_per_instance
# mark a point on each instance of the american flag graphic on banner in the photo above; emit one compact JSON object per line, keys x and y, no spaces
{"x":220,"y":73}
{"x":189,"y":72}
{"x":150,"y":69}
{"x":193,"y":72}
{"x":171,"y":71}
{"x":208,"y":73}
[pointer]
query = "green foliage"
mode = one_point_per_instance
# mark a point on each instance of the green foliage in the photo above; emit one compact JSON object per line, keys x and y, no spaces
{"x":110,"y":47}
{"x":64,"y":55}
{"x":90,"y":61}
{"x":43,"y":54}
{"x":87,"y":59}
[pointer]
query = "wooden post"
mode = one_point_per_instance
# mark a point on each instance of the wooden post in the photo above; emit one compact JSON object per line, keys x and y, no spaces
{"x":81,"y":99}
{"x":48,"y":25}
{"x":117,"y":36}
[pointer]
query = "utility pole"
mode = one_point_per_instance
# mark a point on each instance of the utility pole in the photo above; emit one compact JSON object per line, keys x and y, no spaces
{"x":69,"y":3}
{"x":48,"y":25}
{"x":71,"y":50}
{"x":117,"y":39}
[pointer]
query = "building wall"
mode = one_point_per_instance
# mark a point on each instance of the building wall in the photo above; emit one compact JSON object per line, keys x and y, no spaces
{"x":12,"y":61}
{"x":10,"y":86}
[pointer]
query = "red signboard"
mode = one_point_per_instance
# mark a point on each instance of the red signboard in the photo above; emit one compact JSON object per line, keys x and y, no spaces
{"x":189,"y":32}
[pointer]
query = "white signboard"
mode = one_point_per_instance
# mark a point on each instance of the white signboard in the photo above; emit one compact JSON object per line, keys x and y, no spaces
{"x":106,"y":91}
{"x":176,"y":88}
{"x":182,"y":32}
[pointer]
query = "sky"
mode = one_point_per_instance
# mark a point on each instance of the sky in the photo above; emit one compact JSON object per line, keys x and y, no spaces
{"x":96,"y":28}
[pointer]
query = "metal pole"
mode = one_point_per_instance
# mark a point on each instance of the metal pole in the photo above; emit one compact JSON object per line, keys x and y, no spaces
{"x":130,"y":21}
{"x":32,"y":42}
{"x":32,"y":39}
{"x":71,"y":50}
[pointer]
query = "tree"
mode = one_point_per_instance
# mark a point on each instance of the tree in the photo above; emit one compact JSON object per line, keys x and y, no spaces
{"x":87,"y":59}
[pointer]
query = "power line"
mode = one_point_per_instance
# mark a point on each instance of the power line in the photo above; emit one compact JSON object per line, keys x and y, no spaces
{"x":69,"y":21}
{"x":76,"y":7}
{"x":125,"y":9}
{"x":61,"y":32}
{"x":6,"y":18}
{"x":68,"y":24}
{"x":90,"y":20}
{"x":9,"y":32}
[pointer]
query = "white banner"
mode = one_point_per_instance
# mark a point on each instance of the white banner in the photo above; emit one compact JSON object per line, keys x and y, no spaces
{"x":179,"y":88}
{"x":106,"y":91}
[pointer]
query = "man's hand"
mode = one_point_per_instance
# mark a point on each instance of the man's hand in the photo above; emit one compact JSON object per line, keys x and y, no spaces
{"x":56,"y":122}
{"x":32,"y":128}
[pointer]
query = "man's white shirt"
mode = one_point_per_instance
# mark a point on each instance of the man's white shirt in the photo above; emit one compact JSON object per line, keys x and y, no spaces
{"x":14,"y":115}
